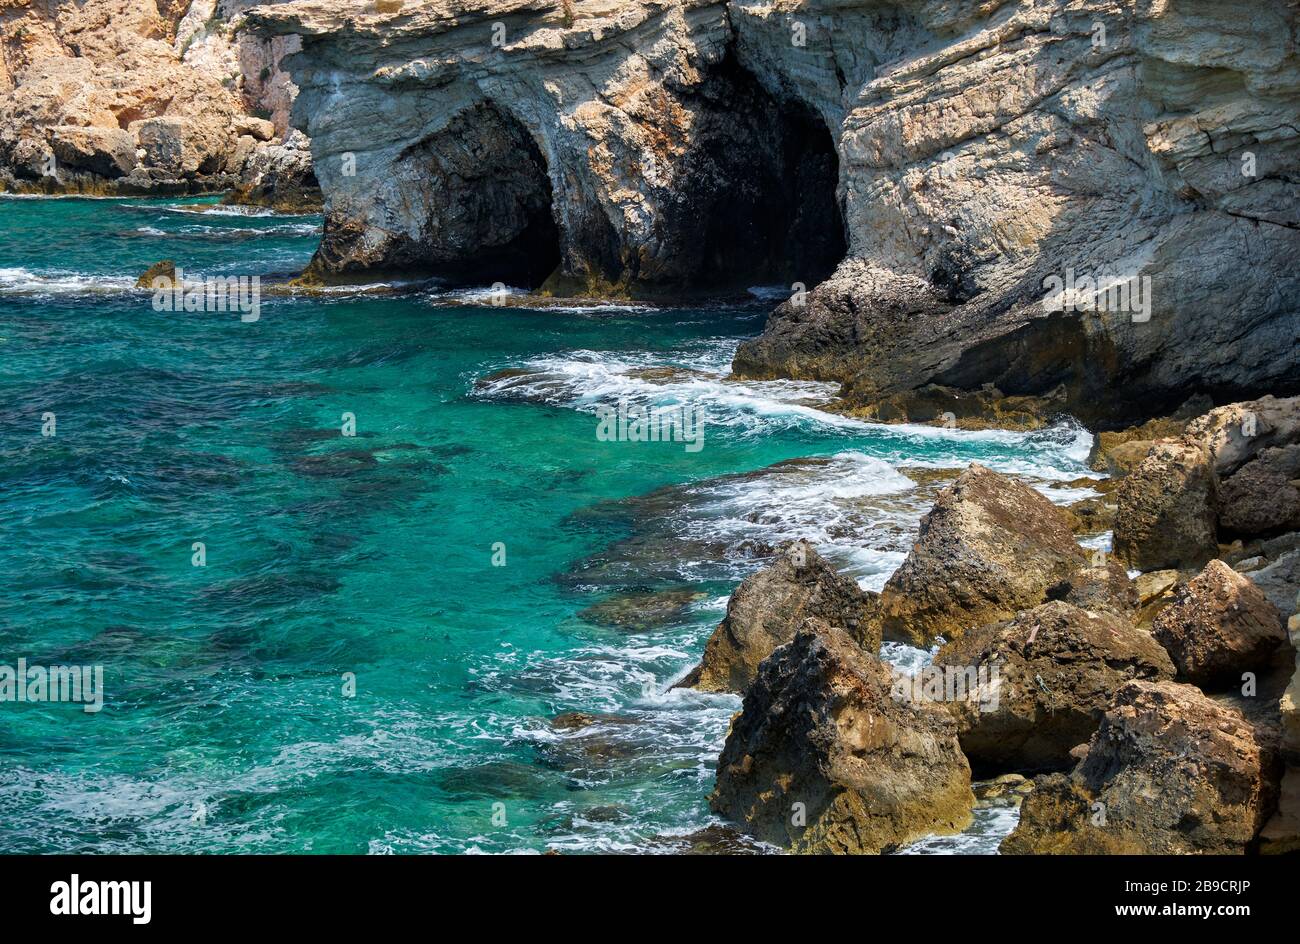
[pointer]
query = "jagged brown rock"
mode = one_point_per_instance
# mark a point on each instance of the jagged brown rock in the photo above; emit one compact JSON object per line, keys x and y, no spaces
{"x":823,"y":758}
{"x":1169,"y":771}
{"x":1052,"y":671}
{"x":1165,"y":515}
{"x":135,"y":96}
{"x":770,"y":606}
{"x":1100,"y":586}
{"x":1219,"y":626}
{"x":990,"y":547}
{"x":1261,"y":497}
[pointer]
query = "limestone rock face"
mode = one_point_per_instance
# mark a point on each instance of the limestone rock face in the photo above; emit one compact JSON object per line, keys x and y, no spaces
{"x":977,"y":150}
{"x":1169,"y":771}
{"x":1219,"y":626}
{"x":823,"y":758}
{"x":131,"y":96}
{"x":1165,"y":516}
{"x":1055,"y":668}
{"x":618,"y":143}
{"x":279,"y":174}
{"x":987,"y":150}
{"x":769,"y":607}
{"x":990,"y":547}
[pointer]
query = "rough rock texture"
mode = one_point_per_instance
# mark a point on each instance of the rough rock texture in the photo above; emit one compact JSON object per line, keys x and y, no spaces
{"x":1165,"y":508}
{"x":1262,"y":496}
{"x":1173,"y":771}
{"x":642,"y":157}
{"x":769,"y":607}
{"x":1099,"y":587}
{"x":1056,"y":668}
{"x":134,"y":96}
{"x":987,"y":148}
{"x":990,"y":547}
{"x":978,"y":148}
{"x":1219,"y":626}
{"x":820,"y":728}
{"x":278,"y":174}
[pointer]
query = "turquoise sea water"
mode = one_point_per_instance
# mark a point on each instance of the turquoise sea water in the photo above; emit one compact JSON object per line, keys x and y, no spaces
{"x":226,"y":726}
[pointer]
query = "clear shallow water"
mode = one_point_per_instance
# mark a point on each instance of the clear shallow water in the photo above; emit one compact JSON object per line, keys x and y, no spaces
{"x":373,"y":555}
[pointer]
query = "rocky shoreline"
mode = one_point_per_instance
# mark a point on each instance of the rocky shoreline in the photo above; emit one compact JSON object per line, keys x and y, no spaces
{"x":972,"y":156}
{"x":137,"y":98}
{"x":1155,"y":709}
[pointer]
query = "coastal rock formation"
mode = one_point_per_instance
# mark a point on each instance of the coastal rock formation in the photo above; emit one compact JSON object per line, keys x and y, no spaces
{"x":1056,"y":668}
{"x":135,"y":96}
{"x":1099,"y":587}
{"x":1262,"y":497}
{"x":990,"y":547}
{"x":976,"y":152}
{"x":1165,"y":509}
{"x":1219,"y":626}
{"x":619,"y":144}
{"x":823,"y":759}
{"x":1169,"y":771}
{"x":1009,"y":170}
{"x":770,"y":606}
{"x":1234,"y":472}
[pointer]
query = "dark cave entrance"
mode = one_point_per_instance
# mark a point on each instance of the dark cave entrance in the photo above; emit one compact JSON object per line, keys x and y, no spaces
{"x":761,"y":202}
{"x":492,"y":215}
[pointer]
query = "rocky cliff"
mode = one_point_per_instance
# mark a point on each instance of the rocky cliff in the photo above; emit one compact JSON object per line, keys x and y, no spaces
{"x":932,"y":167}
{"x":144,"y":96}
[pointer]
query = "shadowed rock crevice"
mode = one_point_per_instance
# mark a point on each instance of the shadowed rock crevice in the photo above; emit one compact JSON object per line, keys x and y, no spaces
{"x":486,"y":209}
{"x":757,"y":197}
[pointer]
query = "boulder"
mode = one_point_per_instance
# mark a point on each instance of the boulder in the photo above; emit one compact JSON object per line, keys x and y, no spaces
{"x":822,"y":758}
{"x":108,"y":152}
{"x":1169,"y":771}
{"x":1260,"y":498}
{"x":1290,"y":701}
{"x":1279,"y":578}
{"x":164,"y":269}
{"x":990,"y":547}
{"x":1099,"y":586}
{"x":1281,"y":834}
{"x":1219,"y":626}
{"x":1050,"y":674}
{"x":1166,"y":509}
{"x":181,"y":147}
{"x":770,"y":606}
{"x":258,"y":128}
{"x":1236,"y":433}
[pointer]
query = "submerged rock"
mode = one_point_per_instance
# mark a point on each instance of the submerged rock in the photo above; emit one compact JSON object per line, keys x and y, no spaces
{"x":823,"y":759}
{"x":1169,"y":771}
{"x":165,"y":269}
{"x":770,"y":606}
{"x":1049,"y":674}
{"x":990,"y":547}
{"x":1219,"y":626}
{"x":641,"y":610}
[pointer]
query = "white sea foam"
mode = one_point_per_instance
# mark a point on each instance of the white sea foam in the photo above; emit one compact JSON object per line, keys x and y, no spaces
{"x":21,"y":281}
